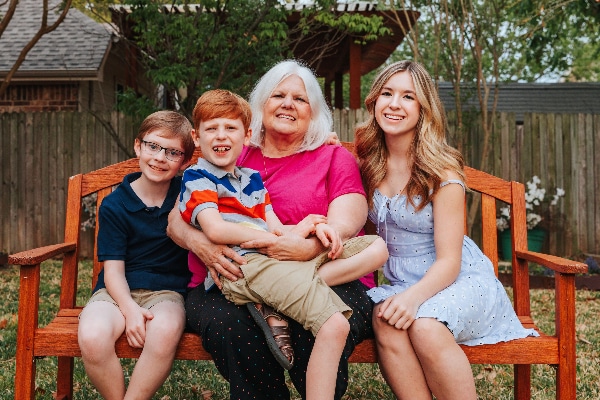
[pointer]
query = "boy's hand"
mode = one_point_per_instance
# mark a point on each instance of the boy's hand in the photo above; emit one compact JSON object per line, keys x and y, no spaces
{"x":329,"y":237}
{"x":135,"y":325}
{"x":306,"y":227}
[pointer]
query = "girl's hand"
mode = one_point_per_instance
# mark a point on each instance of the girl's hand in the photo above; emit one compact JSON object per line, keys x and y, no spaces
{"x":333,"y":138}
{"x":398,"y":310}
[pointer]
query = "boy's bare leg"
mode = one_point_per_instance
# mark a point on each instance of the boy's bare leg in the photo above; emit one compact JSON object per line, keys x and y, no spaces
{"x":100,"y":325}
{"x":163,"y":333}
{"x":325,"y":357}
{"x":343,"y":270}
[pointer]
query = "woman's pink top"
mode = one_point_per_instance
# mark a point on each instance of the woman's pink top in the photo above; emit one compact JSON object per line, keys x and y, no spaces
{"x":301,"y":184}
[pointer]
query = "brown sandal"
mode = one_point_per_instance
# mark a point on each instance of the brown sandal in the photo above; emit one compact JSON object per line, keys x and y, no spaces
{"x":278,"y":337}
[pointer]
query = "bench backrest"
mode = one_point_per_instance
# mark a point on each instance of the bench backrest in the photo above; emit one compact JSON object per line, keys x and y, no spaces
{"x":492,"y":189}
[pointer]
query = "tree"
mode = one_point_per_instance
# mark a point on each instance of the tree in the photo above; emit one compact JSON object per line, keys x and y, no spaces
{"x":46,"y":26}
{"x":476,"y":44}
{"x":189,"y":48}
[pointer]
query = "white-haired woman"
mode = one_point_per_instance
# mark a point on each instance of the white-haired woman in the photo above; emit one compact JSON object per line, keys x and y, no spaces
{"x":304,"y":175}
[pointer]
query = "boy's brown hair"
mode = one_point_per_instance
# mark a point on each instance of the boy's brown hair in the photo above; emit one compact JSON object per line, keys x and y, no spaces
{"x":220,"y":103}
{"x":172,"y":125}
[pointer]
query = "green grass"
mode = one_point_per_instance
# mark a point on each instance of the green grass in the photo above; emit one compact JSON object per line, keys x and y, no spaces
{"x":200,"y":379}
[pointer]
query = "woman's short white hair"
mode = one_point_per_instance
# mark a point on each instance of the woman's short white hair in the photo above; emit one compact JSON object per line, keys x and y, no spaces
{"x":321,"y":120}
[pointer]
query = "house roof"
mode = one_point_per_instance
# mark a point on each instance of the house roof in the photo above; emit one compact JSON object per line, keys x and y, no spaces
{"x":521,"y":98}
{"x":76,"y":49}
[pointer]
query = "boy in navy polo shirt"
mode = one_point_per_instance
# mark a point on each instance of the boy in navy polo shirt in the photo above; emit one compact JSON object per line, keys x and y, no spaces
{"x":140,"y":289}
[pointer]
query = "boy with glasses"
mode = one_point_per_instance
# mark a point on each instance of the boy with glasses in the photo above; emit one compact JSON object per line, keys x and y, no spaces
{"x":140,"y":289}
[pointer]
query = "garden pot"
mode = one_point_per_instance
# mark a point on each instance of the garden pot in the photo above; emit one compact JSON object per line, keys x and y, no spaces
{"x":535,"y":241}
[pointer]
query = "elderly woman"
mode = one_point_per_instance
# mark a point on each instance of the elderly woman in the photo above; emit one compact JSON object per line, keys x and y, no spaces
{"x":290,"y":127}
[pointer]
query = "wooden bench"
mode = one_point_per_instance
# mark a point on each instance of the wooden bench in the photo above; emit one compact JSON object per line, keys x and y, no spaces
{"x":59,"y":337}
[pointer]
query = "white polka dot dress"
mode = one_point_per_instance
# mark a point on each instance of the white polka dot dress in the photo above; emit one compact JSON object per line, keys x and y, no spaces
{"x":475,"y":307}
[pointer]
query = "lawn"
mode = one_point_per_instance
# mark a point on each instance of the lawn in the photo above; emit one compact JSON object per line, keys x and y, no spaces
{"x":200,"y":380}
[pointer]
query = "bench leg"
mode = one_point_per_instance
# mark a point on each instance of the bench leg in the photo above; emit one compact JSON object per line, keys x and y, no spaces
{"x":25,"y":375}
{"x":522,"y":382}
{"x":64,"y":378}
{"x":26,"y":326}
{"x":566,"y":383}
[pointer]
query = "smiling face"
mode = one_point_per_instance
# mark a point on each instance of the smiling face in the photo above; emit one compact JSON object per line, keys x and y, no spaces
{"x":287,"y":111}
{"x":221,"y":141}
{"x":397,"y":108}
{"x":156,"y":167}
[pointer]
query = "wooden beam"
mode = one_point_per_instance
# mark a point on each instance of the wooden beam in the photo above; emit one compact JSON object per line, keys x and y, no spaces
{"x":339,"y":90}
{"x":355,"y":61}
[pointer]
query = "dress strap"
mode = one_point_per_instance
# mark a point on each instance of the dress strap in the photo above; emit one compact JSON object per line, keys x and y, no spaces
{"x":461,"y":183}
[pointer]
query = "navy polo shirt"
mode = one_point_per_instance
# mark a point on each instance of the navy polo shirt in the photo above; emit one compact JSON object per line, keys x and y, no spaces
{"x":137,"y":234}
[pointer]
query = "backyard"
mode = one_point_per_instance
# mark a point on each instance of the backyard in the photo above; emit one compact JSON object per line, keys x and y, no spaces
{"x":200,"y":379}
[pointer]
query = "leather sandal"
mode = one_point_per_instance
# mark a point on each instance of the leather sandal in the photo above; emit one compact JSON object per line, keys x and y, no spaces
{"x":278,"y":337}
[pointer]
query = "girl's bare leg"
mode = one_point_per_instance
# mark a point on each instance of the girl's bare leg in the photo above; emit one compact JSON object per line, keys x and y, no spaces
{"x":446,"y":367}
{"x":398,"y":361}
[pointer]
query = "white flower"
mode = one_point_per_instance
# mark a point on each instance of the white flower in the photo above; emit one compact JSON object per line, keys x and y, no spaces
{"x":534,"y":204}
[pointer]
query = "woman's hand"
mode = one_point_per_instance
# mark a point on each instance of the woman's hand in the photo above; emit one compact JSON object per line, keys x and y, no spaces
{"x":215,"y":257}
{"x":399,"y":310}
{"x":306,"y":227}
{"x":289,"y":246}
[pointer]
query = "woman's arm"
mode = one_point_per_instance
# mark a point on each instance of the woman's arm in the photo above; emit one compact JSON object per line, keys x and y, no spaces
{"x":215,"y":257}
{"x":346,"y":214}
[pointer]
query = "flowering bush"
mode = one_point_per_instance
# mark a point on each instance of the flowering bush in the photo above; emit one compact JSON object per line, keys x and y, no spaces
{"x":536,"y":205}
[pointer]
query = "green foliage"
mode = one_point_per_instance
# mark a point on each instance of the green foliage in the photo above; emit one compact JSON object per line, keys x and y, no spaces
{"x":130,"y":103}
{"x":530,"y":39}
{"x":230,"y":45}
{"x":562,"y":35}
{"x":217,"y":45}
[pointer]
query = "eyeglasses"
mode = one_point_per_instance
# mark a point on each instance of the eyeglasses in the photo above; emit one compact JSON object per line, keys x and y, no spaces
{"x":171,"y":154}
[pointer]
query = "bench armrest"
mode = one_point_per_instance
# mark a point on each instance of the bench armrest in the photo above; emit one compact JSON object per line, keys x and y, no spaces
{"x":40,"y":254}
{"x":557,"y":264}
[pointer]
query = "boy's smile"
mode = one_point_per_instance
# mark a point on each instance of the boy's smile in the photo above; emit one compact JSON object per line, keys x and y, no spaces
{"x":158,"y":167}
{"x":221,"y":141}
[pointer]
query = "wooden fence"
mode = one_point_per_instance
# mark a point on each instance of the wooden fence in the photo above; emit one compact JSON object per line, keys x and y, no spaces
{"x":41,"y":150}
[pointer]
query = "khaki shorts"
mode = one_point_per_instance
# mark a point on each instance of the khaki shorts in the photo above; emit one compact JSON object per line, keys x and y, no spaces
{"x":143,"y":297}
{"x":292,"y":287}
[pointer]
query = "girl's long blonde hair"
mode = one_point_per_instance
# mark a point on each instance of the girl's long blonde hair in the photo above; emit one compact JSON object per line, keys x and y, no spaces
{"x":430,"y":154}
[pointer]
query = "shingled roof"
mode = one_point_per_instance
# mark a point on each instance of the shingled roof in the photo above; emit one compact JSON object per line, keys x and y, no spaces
{"x":77,"y":48}
{"x":520,"y":98}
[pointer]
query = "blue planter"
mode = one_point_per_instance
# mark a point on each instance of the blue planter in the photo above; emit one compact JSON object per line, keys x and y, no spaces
{"x":535,"y":241}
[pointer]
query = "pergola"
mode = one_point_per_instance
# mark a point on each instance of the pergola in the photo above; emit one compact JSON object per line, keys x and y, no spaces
{"x":329,"y":52}
{"x":345,"y":56}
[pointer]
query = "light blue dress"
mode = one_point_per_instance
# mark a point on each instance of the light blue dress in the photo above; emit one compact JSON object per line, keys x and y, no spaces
{"x":475,"y":307}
